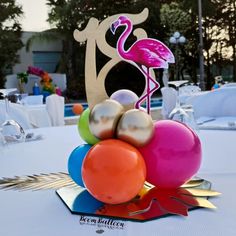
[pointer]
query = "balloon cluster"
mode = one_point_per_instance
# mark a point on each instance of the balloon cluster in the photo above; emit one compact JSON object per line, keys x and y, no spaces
{"x":126,"y":148}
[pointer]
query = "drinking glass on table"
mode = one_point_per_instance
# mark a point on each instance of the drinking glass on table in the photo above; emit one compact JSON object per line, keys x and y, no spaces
{"x":18,"y":98}
{"x":178,"y":113}
{"x":10,"y":129}
{"x":2,"y":140}
{"x":189,"y":119}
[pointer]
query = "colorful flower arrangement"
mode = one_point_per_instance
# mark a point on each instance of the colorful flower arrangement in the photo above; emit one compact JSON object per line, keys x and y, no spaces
{"x":46,"y":80}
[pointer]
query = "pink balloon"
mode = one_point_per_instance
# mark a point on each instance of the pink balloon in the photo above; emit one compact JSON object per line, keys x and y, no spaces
{"x":173,"y":155}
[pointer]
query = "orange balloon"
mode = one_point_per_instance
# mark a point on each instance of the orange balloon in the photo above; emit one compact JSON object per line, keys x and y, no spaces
{"x":113,"y":171}
{"x":77,"y":109}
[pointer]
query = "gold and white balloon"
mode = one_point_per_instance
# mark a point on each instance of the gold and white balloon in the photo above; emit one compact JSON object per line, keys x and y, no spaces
{"x":104,"y":117}
{"x":135,"y":127}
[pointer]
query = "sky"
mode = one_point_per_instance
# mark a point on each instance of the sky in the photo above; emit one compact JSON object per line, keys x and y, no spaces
{"x":35,"y":15}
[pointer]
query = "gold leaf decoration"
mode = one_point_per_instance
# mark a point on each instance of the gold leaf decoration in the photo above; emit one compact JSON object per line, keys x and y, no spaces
{"x":151,"y":202}
{"x":193,"y":183}
{"x":37,"y":182}
{"x":203,"y":192}
{"x":202,"y":202}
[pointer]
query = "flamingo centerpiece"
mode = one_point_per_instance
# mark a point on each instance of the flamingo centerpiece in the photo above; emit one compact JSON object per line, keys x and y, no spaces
{"x":144,"y":53}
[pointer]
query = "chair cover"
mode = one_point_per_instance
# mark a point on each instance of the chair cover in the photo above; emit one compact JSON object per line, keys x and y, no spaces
{"x":16,"y":112}
{"x":55,"y":106}
{"x":169,"y":96}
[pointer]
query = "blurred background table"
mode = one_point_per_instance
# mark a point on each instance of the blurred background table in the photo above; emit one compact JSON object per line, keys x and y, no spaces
{"x":217,"y":123}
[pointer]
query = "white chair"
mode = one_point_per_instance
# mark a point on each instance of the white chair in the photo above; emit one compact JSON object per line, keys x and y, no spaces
{"x":169,"y":96}
{"x":216,"y":103}
{"x":59,"y":80}
{"x":55,"y":106}
{"x":33,"y":100}
{"x":16,"y":112}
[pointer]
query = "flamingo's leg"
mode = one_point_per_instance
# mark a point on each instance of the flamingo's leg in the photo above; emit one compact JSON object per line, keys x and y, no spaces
{"x":148,"y":78}
{"x":148,"y":93}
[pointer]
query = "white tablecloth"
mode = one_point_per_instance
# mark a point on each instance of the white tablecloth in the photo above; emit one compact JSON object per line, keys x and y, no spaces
{"x":217,"y":123}
{"x":41,"y":213}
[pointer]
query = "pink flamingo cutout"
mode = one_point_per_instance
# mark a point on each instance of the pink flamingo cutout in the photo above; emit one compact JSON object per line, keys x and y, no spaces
{"x":148,"y":52}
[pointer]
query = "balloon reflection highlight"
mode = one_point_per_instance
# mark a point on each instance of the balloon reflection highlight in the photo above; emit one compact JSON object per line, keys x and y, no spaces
{"x":135,"y":127}
{"x":104,"y":117}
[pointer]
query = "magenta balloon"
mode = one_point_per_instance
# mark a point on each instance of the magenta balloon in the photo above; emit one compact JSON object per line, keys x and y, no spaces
{"x":173,"y":155}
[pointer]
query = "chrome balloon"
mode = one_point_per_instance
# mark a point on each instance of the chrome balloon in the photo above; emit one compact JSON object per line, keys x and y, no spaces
{"x":126,"y":98}
{"x":104,"y":117}
{"x":135,"y":127}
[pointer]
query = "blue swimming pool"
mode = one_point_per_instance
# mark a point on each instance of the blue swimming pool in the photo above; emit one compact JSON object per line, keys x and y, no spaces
{"x":155,"y":103}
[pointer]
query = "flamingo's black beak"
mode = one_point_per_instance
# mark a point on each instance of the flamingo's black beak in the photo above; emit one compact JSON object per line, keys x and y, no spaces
{"x":114,"y":26}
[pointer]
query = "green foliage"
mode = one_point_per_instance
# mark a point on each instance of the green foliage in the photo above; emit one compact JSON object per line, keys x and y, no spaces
{"x":10,"y":34}
{"x":23,"y":77}
{"x":71,"y":14}
{"x":175,"y":19}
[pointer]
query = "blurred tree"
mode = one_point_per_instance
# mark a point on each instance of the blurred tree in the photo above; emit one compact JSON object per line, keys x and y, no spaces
{"x":10,"y":36}
{"x":219,"y":33}
{"x":226,"y":11}
{"x":175,"y":19}
{"x":209,"y":15}
{"x":165,"y":17}
{"x":210,"y":34}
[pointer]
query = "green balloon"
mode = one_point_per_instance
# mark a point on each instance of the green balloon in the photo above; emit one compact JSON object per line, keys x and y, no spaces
{"x":83,"y":127}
